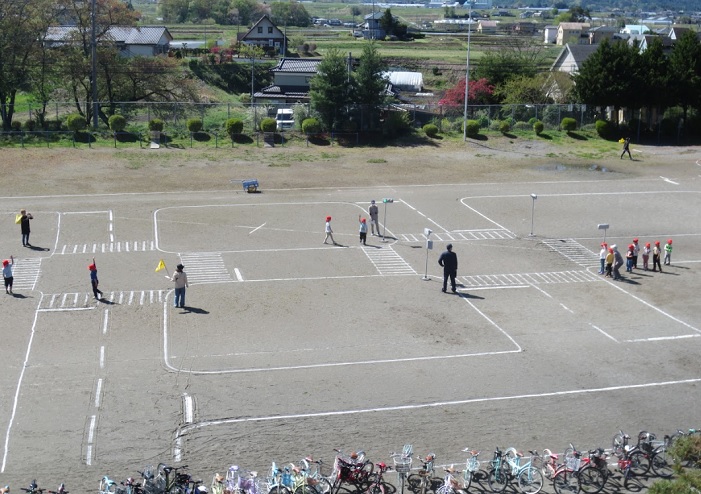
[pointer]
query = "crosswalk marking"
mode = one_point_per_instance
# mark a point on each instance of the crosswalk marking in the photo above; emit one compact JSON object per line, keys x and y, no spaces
{"x":521,"y":279}
{"x":574,"y":251}
{"x":105,"y":247}
{"x":77,"y":300}
{"x":387,"y":261}
{"x":205,"y":267}
{"x":25,"y":273}
{"x":459,"y":235}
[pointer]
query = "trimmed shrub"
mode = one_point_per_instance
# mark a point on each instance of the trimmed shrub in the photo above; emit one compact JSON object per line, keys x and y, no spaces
{"x":687,"y":450}
{"x":311,"y":126}
{"x":538,"y":127}
{"x":396,"y":123}
{"x":522,"y":126}
{"x":532,"y":120}
{"x":504,"y":127}
{"x":234,"y":126}
{"x":568,"y":124}
{"x":473,"y":128}
{"x":268,"y":124}
{"x":603,"y":128}
{"x":16,"y":125}
{"x":194,"y":125}
{"x":75,"y":122}
{"x":30,"y":125}
{"x":117,"y":123}
{"x":430,"y":130}
{"x":156,"y":125}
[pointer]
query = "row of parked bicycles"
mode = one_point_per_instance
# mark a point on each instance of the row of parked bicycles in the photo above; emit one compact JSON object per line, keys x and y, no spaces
{"x":570,"y":472}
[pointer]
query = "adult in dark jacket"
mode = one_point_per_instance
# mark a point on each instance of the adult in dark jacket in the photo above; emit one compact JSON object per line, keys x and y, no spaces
{"x":449,"y":261}
{"x":24,"y":226}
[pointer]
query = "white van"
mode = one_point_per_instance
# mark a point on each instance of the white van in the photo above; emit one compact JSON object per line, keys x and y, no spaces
{"x":285,"y":119}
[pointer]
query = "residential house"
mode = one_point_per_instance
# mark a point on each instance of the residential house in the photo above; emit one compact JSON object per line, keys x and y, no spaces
{"x":635,"y":29}
{"x":266,"y":35}
{"x":645,"y":40}
{"x":677,"y":32}
{"x":549,"y":34}
{"x":571,"y":57}
{"x":524,"y":28}
{"x":487,"y":27}
{"x":291,"y":79}
{"x":144,"y":41}
{"x":600,"y":33}
{"x":572,"y":32}
{"x":371,"y":26}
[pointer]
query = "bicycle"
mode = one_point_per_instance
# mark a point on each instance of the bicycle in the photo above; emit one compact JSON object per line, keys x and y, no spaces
{"x":377,"y":484}
{"x":235,"y":483}
{"x":169,"y":480}
{"x":130,"y":486}
{"x":315,"y":477}
{"x":107,"y":486}
{"x":354,"y":470}
{"x":32,"y":489}
{"x":640,"y":464}
{"x":472,"y":466}
{"x":279,"y":481}
{"x":422,"y":482}
{"x":498,"y":476}
{"x":649,"y":453}
{"x":528,"y":477}
{"x":60,"y":490}
{"x":402,"y":464}
{"x":594,"y":472}
{"x":450,"y":484}
{"x":565,"y":478}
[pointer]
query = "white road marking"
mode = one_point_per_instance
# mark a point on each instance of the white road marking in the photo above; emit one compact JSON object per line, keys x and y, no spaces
{"x":662,"y":338}
{"x":102,"y":357}
{"x":104,"y":321}
{"x":437,"y":404}
{"x":668,"y":180}
{"x":603,"y":332}
{"x":429,"y":219}
{"x":188,"y":416}
{"x":238,"y":274}
{"x":257,"y":228}
{"x":98,"y":391}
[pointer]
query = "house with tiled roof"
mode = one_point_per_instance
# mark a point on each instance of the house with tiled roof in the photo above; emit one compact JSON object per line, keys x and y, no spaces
{"x":131,"y":41}
{"x":266,"y":35}
{"x":571,"y":57}
{"x":291,"y":78}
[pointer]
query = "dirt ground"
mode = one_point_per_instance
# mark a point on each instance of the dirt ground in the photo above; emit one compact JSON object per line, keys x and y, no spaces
{"x":290,"y":347}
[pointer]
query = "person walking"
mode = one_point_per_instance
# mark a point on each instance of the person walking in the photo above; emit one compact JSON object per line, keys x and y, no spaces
{"x":646,"y":256}
{"x":656,"y":251}
{"x":609,"y":263}
{"x":94,"y":282}
{"x":668,"y":252}
{"x":24,"y":226}
{"x":617,"y":263}
{"x":449,"y":261}
{"x":329,"y":231}
{"x":7,"y":273}
{"x":373,"y":212}
{"x":363,"y":230}
{"x":626,"y":148}
{"x":180,"y":280}
{"x":602,"y":256}
{"x":636,"y":251}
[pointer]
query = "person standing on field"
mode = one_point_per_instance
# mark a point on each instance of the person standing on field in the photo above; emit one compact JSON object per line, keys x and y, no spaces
{"x":636,"y":251}
{"x":7,"y":273}
{"x":449,"y":261}
{"x":24,"y":226}
{"x":329,"y":231}
{"x":94,"y":282}
{"x":373,"y":212}
{"x":626,"y":148}
{"x":363,"y":230}
{"x":617,"y":263}
{"x":602,"y":257}
{"x":646,"y":255}
{"x":180,"y":280}
{"x":656,"y":251}
{"x":668,"y":252}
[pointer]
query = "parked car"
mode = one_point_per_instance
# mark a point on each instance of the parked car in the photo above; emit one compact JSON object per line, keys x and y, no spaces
{"x":285,"y":119}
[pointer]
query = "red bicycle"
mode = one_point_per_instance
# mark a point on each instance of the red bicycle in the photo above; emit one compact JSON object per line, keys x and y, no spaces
{"x":354,"y":469}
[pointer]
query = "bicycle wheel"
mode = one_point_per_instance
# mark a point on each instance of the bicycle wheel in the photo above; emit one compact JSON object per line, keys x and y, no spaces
{"x":639,"y":463}
{"x":660,"y":464}
{"x":591,"y":480}
{"x":376,"y":488}
{"x":413,"y":482}
{"x":467,"y":480}
{"x":565,"y":483}
{"x":107,"y":487}
{"x":279,"y":489}
{"x":497,"y":480}
{"x":530,"y":480}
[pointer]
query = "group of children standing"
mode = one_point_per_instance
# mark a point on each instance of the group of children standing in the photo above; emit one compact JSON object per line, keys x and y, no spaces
{"x":612,"y":260}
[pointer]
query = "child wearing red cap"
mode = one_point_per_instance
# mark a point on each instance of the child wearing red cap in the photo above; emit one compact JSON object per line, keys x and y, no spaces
{"x":329,"y":231}
{"x":656,"y":256}
{"x":668,"y":252}
{"x":646,"y":255}
{"x":629,"y":258}
{"x":7,"y":274}
{"x":363,"y":230}
{"x":94,"y":281}
{"x":609,"y":263}
{"x":636,"y":251}
{"x":602,"y":257}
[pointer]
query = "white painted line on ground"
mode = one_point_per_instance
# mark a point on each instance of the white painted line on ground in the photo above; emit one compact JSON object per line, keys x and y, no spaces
{"x":566,"y":308}
{"x":429,"y":219}
{"x":188,"y":416}
{"x":462,"y":201}
{"x":662,"y":338}
{"x":603,"y":332}
{"x":19,"y":386}
{"x":177,"y":448}
{"x":105,"y":319}
{"x":102,"y":357}
{"x":257,"y":228}
{"x":238,"y":274}
{"x":668,"y":180}
{"x":91,"y":429}
{"x":98,"y":391}
{"x":88,"y":455}
{"x":437,"y":404}
{"x":472,"y":289}
{"x":67,"y":309}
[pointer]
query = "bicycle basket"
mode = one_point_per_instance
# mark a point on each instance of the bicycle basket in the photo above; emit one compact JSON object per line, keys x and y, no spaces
{"x":573,"y":463}
{"x":402,"y":464}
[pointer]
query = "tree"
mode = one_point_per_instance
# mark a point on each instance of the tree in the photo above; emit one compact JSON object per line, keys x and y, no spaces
{"x":174,"y":10}
{"x":329,"y":89}
{"x":524,"y":89}
{"x":246,"y":11}
{"x":22,"y":24}
{"x":289,"y":14}
{"x":685,"y":71}
{"x":575,"y":14}
{"x":479,"y":92}
{"x":497,"y":67}
{"x":370,"y":82}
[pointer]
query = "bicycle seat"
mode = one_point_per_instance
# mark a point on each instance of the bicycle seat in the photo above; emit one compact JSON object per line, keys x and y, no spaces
{"x":519,"y":454}
{"x":473,"y":452}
